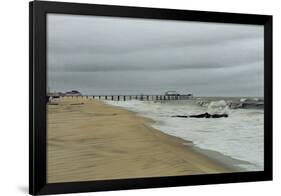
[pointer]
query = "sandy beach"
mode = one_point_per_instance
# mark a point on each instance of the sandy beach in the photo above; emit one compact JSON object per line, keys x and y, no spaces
{"x":89,"y":140}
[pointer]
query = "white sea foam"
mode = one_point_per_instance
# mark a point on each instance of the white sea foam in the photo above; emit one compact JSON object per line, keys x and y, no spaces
{"x":239,"y":136}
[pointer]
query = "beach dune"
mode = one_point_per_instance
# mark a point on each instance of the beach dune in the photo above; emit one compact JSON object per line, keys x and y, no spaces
{"x":90,"y":140}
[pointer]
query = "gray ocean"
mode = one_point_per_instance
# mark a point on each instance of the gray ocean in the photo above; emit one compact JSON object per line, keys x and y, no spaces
{"x":239,"y":136}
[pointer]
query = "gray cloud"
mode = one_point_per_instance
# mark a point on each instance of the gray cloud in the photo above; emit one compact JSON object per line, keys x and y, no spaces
{"x":103,"y":55}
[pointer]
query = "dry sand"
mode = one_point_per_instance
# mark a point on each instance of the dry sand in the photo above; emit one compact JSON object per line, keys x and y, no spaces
{"x":95,"y":141}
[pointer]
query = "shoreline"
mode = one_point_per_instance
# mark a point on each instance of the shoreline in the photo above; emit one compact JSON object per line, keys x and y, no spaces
{"x":114,"y":143}
{"x":219,"y":158}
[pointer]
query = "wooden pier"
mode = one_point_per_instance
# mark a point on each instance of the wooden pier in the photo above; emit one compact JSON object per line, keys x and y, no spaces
{"x":134,"y":97}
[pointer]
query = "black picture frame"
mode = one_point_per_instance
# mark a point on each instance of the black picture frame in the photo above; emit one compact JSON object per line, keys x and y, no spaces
{"x":37,"y":102}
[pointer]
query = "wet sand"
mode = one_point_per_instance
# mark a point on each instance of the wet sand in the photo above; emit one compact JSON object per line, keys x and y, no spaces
{"x":89,"y":140}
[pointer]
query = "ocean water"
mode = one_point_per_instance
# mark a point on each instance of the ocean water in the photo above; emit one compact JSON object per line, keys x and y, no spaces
{"x":239,"y":136}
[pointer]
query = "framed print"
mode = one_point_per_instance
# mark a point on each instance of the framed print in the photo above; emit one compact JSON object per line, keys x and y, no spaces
{"x":130,"y":97}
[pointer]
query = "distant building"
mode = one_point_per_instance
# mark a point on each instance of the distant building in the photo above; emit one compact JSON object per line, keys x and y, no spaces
{"x":172,"y":93}
{"x":73,"y":93}
{"x":55,"y":94}
{"x":175,"y":93}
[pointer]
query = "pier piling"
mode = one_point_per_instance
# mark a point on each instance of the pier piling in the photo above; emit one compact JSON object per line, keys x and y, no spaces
{"x":137,"y":97}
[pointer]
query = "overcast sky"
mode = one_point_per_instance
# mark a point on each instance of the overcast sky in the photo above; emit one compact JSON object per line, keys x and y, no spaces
{"x":108,"y":55}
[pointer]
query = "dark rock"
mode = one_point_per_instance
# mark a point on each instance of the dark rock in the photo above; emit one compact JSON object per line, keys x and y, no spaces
{"x":204,"y":115}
